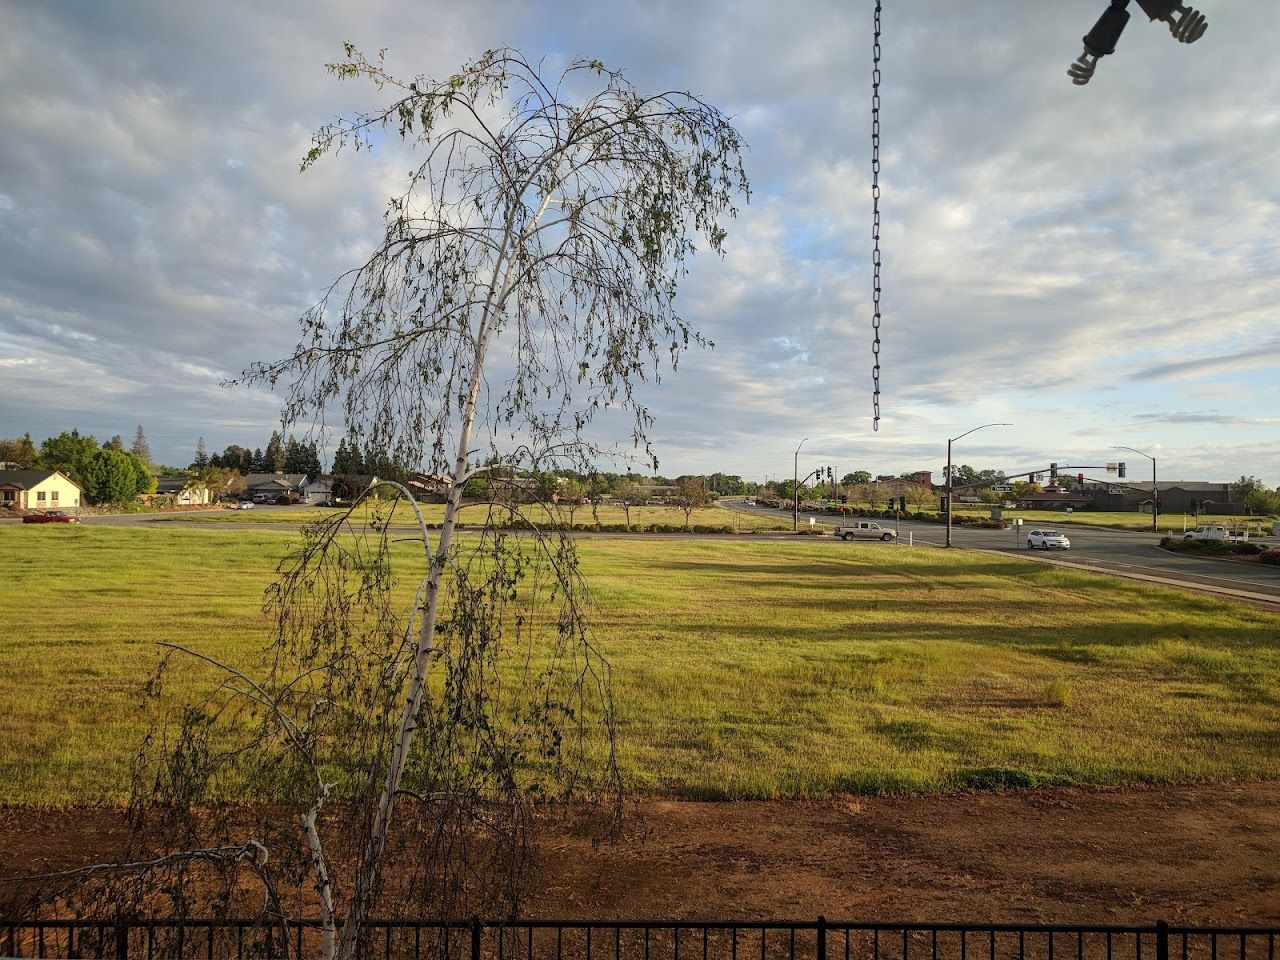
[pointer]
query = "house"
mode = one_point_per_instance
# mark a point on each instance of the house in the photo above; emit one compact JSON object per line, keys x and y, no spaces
{"x":183,"y":490}
{"x":432,"y":487}
{"x":321,"y":488}
{"x":274,"y":485}
{"x":39,"y":490}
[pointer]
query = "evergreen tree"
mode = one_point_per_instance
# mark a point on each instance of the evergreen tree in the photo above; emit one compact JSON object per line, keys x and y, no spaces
{"x":274,"y":459}
{"x":140,"y":448}
{"x":202,"y":455}
{"x":293,"y":456}
{"x":347,"y":459}
{"x":115,"y":443}
{"x":310,"y":460}
{"x":259,"y":462}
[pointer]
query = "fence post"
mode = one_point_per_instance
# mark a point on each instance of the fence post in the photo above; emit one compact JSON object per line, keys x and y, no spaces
{"x":822,"y":937}
{"x":475,"y":938}
{"x":1162,"y":940}
{"x":122,"y":940}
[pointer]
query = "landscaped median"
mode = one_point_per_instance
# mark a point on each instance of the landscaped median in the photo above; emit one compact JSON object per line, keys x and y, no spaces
{"x":741,"y":668}
{"x":1223,"y":549}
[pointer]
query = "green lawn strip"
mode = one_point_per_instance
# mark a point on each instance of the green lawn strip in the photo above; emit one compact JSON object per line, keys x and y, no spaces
{"x":741,"y":668}
{"x":476,"y":514}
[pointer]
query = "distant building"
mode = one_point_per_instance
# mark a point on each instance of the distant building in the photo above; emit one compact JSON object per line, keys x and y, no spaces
{"x":1175,"y":496}
{"x":182,"y":490}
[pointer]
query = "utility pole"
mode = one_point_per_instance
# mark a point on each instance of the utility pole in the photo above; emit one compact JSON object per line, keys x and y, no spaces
{"x":1155,"y":488}
{"x":951,"y":483}
{"x":795,"y":490}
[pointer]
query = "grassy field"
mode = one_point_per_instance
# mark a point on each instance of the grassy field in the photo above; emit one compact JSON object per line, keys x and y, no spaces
{"x":741,"y":668}
{"x":434,"y":513}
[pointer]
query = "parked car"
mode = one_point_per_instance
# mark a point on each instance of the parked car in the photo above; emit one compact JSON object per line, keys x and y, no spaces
{"x":50,"y":516}
{"x":1048,"y":540}
{"x":260,"y":498}
{"x":244,"y":505}
{"x":864,"y":530}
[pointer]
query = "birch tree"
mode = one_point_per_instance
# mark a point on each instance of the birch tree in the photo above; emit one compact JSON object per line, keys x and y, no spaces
{"x":524,"y":284}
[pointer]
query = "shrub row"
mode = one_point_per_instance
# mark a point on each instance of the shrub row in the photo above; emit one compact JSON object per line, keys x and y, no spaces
{"x":1215,"y":548}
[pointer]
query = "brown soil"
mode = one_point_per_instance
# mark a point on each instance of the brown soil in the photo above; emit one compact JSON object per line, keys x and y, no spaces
{"x":1201,"y":854}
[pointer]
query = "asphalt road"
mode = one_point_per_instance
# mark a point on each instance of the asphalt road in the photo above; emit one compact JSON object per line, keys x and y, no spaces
{"x":1119,"y":552}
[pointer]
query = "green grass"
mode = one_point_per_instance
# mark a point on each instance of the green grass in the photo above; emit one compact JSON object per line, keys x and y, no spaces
{"x":434,"y":513}
{"x":741,"y":668}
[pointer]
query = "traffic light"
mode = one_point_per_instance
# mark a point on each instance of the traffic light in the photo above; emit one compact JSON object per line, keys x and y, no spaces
{"x":1121,"y":467}
{"x":1053,"y":472}
{"x":1080,"y":477}
{"x":1193,"y":504}
{"x":944,"y":503}
{"x":902,"y":503}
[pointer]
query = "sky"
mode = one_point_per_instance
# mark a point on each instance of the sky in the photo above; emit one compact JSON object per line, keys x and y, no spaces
{"x":1096,"y":266}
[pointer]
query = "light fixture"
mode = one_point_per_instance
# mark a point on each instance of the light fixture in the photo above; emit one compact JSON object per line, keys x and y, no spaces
{"x":1185,"y":23}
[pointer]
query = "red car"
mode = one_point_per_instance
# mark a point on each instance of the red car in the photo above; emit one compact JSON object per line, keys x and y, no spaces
{"x":50,"y":516}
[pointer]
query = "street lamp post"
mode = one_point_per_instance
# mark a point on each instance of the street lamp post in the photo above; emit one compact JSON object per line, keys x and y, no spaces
{"x":1155,"y":489}
{"x":951,"y":483}
{"x":795,"y":490}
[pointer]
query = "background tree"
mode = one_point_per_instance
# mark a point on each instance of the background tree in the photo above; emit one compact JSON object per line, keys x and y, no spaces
{"x":855,"y":478}
{"x":115,"y":477}
{"x":1253,"y":495}
{"x":202,"y":455}
{"x":873,"y":495}
{"x":115,"y":443}
{"x":570,"y":494}
{"x":140,"y":448}
{"x":630,"y":495}
{"x":347,"y":458}
{"x":301,"y":458}
{"x":21,"y":453}
{"x":691,"y":493}
{"x":273,"y":456}
{"x":70,"y":453}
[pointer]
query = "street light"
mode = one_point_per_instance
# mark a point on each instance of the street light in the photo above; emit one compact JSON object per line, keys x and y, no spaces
{"x":795,"y":490}
{"x":950,"y":480}
{"x":1155,"y":490}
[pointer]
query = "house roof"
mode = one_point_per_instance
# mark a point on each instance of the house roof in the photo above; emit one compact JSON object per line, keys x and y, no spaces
{"x":26,"y":479}
{"x":173,"y":484}
{"x":285,"y":481}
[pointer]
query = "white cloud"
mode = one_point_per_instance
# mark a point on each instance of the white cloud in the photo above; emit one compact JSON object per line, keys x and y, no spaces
{"x":1066,"y":259}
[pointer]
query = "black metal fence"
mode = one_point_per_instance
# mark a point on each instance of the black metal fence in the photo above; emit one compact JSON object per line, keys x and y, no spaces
{"x":215,"y":939}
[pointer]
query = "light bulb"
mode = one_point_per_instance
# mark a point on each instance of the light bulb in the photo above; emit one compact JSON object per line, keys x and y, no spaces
{"x":1081,"y":72}
{"x":1189,"y":26}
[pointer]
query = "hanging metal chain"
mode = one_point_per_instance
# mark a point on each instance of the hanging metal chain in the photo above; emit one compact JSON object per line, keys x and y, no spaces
{"x":875,"y":219}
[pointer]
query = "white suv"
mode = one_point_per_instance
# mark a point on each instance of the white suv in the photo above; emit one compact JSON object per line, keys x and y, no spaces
{"x":1048,"y":539}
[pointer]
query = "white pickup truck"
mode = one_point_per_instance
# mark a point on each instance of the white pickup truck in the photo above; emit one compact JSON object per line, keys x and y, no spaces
{"x":864,"y":530}
{"x":1215,"y":532}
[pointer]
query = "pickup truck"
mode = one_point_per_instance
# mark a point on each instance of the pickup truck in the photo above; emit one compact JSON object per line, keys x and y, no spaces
{"x":1215,"y":532}
{"x":50,"y":516}
{"x":864,"y":530}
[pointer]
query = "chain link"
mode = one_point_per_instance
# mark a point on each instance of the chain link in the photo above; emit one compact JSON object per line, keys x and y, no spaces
{"x":875,"y":219}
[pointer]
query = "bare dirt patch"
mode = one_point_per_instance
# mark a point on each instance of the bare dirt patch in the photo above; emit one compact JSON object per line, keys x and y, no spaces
{"x":1199,"y":854}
